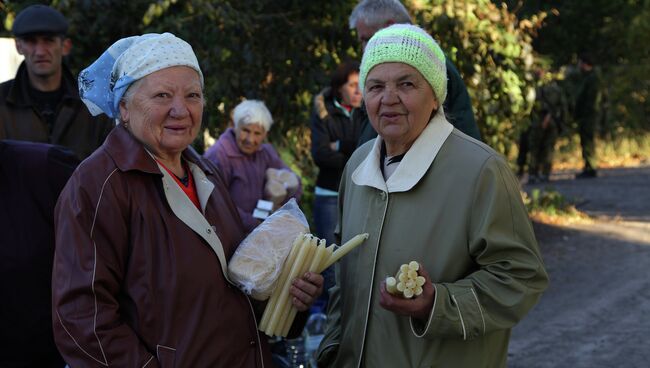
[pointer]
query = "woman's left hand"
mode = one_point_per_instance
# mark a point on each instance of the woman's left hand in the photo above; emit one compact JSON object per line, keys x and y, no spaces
{"x":305,"y":290}
{"x":417,"y":307}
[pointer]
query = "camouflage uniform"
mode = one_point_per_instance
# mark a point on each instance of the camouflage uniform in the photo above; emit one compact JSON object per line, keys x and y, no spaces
{"x":547,"y":119}
{"x":585,"y":113}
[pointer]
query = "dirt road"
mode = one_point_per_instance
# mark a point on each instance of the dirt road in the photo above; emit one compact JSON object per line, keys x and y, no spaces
{"x":596,"y":312}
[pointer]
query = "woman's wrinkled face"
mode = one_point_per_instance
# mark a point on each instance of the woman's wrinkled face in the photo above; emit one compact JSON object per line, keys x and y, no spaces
{"x":250,"y":137}
{"x":400,"y":102}
{"x":350,"y":93}
{"x":165,"y":110}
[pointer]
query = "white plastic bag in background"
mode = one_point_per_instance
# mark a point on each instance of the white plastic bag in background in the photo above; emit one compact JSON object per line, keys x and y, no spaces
{"x":257,"y":262}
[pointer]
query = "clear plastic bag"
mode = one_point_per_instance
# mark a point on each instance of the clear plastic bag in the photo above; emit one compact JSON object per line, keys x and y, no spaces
{"x":257,"y":262}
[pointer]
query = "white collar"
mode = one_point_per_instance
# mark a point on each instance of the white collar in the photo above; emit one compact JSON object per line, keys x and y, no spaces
{"x":413,"y":166}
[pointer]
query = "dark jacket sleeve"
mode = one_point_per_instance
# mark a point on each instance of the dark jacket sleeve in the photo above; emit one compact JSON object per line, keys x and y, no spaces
{"x":360,"y":115}
{"x":458,"y":106}
{"x":323,"y":154}
{"x":61,"y":165}
{"x":106,"y":125}
{"x":89,"y":268}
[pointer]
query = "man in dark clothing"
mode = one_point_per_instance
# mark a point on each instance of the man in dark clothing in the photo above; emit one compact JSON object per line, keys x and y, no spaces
{"x":31,"y":177}
{"x":585,"y":113}
{"x":368,"y":17}
{"x":42,"y":103}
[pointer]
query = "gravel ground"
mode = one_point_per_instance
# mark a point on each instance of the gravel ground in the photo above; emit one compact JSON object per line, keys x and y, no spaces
{"x":596,"y":310}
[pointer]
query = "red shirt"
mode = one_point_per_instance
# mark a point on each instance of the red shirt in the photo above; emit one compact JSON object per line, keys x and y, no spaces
{"x":190,"y":188}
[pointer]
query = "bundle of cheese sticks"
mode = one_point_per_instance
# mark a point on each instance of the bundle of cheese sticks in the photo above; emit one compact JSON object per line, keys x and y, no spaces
{"x":308,"y":253}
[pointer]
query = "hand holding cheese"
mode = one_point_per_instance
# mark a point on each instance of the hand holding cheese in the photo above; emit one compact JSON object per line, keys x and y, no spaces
{"x":305,"y":290}
{"x":410,"y":293}
{"x":407,"y":282}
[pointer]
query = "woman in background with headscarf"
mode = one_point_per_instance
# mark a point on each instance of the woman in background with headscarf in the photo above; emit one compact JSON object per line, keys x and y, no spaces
{"x":248,"y":164}
{"x":145,"y":227}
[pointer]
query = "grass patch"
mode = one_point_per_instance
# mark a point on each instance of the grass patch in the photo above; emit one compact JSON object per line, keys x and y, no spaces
{"x":551,"y":207}
{"x":618,"y":152}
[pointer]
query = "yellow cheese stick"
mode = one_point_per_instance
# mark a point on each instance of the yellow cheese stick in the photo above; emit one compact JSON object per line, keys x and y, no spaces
{"x":281,"y":280}
{"x":321,"y":252}
{"x":285,"y":312}
{"x":277,"y":292}
{"x":328,"y":254}
{"x":346,"y":248}
{"x":295,"y":268}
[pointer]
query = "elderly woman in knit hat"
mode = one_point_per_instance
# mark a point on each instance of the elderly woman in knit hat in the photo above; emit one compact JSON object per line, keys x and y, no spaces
{"x":426,"y":192}
{"x":145,"y":227}
{"x":251,"y":168}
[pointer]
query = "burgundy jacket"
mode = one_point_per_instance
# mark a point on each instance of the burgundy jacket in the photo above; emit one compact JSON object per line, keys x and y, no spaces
{"x":136,"y":286}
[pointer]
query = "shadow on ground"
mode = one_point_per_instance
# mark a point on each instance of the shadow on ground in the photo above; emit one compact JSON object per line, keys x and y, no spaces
{"x":594,"y":311}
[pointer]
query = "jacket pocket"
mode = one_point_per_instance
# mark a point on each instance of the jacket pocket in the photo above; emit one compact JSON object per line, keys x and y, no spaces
{"x":166,"y":356}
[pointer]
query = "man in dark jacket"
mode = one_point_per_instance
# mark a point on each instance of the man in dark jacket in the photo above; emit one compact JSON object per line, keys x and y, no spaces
{"x":42,"y":103}
{"x":31,"y":177}
{"x":368,"y":17}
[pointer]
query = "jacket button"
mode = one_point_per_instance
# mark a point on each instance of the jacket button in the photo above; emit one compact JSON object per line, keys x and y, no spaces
{"x":252,"y":342}
{"x":208,"y":230}
{"x":382,"y":195}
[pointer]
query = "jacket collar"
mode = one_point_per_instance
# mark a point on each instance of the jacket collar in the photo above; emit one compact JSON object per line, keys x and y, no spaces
{"x":129,"y":154}
{"x":413,"y":166}
{"x":325,"y":104}
{"x":19,"y":93}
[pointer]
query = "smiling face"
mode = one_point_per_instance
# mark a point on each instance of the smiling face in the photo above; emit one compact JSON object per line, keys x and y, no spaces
{"x":400,"y":103}
{"x":43,"y":54}
{"x":250,"y":137}
{"x":165,"y":110}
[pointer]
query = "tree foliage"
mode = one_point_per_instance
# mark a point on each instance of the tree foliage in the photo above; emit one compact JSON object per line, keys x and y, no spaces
{"x":616,"y":33}
{"x":492,"y":48}
{"x":281,"y":52}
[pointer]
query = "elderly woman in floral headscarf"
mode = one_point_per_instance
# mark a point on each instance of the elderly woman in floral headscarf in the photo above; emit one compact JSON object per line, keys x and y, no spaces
{"x":145,"y":227}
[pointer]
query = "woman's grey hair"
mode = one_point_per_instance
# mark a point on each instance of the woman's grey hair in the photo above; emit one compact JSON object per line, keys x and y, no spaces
{"x":377,"y":13}
{"x":127,"y":97}
{"x":252,"y":112}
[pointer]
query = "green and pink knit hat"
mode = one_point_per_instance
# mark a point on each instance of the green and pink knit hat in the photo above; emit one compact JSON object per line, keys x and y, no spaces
{"x":408,"y":44}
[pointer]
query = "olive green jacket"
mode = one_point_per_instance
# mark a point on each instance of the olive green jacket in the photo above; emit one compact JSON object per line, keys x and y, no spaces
{"x":468,"y":228}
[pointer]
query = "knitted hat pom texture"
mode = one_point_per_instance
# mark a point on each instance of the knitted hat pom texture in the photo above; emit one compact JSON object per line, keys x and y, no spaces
{"x":411,"y":45}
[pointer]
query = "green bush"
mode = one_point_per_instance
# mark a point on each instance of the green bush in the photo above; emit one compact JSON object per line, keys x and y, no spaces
{"x":548,"y":201}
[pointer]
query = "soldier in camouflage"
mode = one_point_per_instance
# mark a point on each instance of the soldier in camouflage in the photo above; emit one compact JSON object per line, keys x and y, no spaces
{"x":547,"y":120}
{"x":585,"y":113}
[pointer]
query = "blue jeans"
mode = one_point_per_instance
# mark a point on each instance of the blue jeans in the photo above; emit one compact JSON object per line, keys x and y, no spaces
{"x":325,"y":219}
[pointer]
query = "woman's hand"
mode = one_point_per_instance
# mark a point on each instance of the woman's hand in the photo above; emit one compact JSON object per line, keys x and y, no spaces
{"x":417,"y":307}
{"x":306,"y":290}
